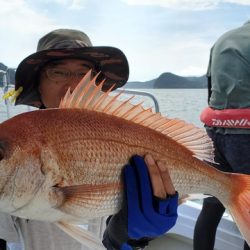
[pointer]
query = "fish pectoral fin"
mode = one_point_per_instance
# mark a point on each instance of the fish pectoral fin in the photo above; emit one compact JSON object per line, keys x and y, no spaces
{"x":85,"y":237}
{"x":79,"y":199}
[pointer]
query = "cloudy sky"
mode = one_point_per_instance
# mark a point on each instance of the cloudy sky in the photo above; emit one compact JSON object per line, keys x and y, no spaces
{"x":156,"y":35}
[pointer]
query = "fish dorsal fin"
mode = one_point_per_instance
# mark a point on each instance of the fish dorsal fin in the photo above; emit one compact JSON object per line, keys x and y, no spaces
{"x":89,"y":96}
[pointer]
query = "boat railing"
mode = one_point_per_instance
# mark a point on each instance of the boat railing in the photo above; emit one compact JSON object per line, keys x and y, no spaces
{"x":142,"y":93}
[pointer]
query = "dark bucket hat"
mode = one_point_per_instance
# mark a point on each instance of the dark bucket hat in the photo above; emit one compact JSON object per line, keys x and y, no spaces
{"x":68,"y":44}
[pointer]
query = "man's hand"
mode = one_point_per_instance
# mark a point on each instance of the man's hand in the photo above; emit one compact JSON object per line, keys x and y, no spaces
{"x":161,"y":182}
{"x":149,"y":208}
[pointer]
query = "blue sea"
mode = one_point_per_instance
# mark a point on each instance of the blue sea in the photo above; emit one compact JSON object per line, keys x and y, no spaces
{"x":185,"y":104}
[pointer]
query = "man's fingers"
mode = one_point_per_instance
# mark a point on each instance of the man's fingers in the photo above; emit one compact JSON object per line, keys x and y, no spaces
{"x":167,"y":182}
{"x":155,"y":176}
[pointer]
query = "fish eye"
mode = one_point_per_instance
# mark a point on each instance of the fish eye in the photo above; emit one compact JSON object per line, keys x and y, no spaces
{"x":2,"y":150}
{"x":1,"y":153}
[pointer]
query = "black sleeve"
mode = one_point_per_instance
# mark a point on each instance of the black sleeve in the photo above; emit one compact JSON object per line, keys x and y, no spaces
{"x":116,"y":233}
{"x":209,"y":82}
{"x":3,"y":244}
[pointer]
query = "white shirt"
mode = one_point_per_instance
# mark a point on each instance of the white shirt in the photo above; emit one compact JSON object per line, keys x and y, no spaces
{"x":35,"y":235}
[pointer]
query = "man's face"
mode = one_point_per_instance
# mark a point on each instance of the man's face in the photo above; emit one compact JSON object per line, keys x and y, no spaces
{"x":58,"y":76}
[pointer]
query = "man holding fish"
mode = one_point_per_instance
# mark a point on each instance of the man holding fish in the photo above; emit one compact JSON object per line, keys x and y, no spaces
{"x":63,"y":57}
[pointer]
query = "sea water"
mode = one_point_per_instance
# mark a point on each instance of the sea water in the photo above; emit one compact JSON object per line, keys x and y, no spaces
{"x":185,"y":104}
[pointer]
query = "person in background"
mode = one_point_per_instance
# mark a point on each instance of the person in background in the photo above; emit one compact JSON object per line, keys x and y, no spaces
{"x":229,"y":104}
{"x":63,"y":57}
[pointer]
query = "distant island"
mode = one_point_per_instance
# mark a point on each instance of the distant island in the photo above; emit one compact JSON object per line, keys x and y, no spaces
{"x":164,"y":81}
{"x":171,"y":81}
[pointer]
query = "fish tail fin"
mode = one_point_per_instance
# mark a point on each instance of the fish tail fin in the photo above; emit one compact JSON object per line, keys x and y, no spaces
{"x":239,"y":205}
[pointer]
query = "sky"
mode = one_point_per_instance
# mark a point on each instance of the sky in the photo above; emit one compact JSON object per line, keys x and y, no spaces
{"x":157,"y":36}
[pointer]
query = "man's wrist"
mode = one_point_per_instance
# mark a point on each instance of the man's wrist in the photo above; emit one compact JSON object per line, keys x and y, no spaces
{"x":131,"y":244}
{"x":140,"y":243}
{"x":127,"y":246}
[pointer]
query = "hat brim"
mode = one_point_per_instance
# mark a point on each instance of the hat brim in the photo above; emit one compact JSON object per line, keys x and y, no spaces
{"x":110,"y":61}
